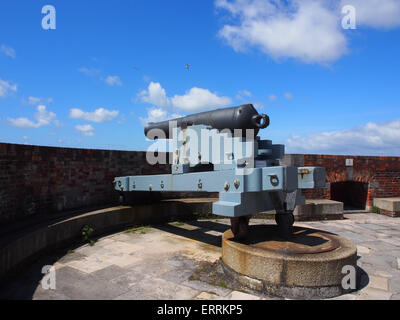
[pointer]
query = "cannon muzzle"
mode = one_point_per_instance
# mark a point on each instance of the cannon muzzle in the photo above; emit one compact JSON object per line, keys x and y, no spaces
{"x":241,"y":117}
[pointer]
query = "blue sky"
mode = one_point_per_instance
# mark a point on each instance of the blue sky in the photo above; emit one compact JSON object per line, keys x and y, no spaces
{"x":109,"y":66}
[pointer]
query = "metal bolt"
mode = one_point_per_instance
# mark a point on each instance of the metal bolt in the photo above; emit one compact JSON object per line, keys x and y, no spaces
{"x":236,"y":183}
{"x":200,"y":184}
{"x":274,"y":180}
{"x":199,"y":156}
{"x":150,"y":187}
{"x":227,"y":186}
{"x":162,"y":185}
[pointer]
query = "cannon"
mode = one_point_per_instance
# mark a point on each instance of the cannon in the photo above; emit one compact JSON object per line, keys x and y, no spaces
{"x":242,"y":117}
{"x":220,"y":151}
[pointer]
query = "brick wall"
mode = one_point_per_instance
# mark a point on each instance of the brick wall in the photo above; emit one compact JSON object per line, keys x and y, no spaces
{"x":42,"y":180}
{"x":382,"y":174}
{"x":37,"y":180}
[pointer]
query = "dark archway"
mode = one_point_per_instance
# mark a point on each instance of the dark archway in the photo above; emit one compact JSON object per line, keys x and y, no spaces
{"x":353,"y":194}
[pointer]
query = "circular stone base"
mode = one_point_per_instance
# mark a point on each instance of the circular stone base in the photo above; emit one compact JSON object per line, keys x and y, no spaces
{"x":307,"y":266}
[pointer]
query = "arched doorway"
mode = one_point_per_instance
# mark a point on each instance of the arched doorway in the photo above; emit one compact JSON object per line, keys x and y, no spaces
{"x":353,"y":194}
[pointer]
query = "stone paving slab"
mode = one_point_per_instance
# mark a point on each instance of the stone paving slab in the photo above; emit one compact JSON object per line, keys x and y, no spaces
{"x":180,"y":261}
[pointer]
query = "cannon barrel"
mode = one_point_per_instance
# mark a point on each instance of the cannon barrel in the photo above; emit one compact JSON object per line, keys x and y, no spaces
{"x":241,"y":117}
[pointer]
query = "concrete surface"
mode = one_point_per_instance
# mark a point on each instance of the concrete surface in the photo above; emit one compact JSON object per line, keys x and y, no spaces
{"x":21,"y":242}
{"x":181,"y":261}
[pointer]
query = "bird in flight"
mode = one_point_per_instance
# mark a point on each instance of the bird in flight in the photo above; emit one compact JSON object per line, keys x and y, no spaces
{"x":187,"y":66}
{"x":136,"y":68}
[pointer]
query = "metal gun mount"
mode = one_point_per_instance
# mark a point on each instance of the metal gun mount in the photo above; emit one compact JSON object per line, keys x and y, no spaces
{"x":210,"y":154}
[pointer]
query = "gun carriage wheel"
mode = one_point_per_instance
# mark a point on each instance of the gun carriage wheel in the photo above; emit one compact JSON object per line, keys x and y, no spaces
{"x":240,"y":227}
{"x":285,"y":221}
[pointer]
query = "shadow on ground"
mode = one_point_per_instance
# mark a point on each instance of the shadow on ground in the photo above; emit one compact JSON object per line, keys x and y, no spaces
{"x":198,"y":234}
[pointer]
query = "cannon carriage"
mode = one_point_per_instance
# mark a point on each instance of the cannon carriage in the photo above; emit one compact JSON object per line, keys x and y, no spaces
{"x":220,"y":151}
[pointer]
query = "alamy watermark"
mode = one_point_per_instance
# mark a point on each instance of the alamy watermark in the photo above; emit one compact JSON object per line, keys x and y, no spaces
{"x":350,"y":278}
{"x":349,"y":18}
{"x":49,"y":280}
{"x":49,"y":18}
{"x":202,"y":146}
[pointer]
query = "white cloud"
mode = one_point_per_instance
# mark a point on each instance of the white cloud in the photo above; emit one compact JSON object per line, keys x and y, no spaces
{"x":193,"y":100}
{"x":42,"y":117}
{"x":38,"y":100}
{"x":90,"y":72}
{"x":306,"y":30}
{"x":199,"y":99}
{"x":243,"y":94}
{"x":288,"y":95}
{"x":259,"y":106}
{"x":113,"y":81}
{"x":8,"y":51}
{"x":121,"y":120}
{"x":33,"y":100}
{"x":154,"y":115}
{"x":156,"y":95}
{"x":93,"y":72}
{"x":99,"y":115}
{"x":158,"y":114}
{"x":85,"y":129}
{"x":370,"y":139}
{"x":376,"y":13}
{"x":6,"y":87}
{"x":272,"y":97}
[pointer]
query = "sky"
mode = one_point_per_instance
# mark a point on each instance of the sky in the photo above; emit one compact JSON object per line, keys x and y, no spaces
{"x":326,"y":74}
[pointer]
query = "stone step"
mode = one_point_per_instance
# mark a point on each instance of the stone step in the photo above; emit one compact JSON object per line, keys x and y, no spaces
{"x":319,"y":209}
{"x":388,"y":206}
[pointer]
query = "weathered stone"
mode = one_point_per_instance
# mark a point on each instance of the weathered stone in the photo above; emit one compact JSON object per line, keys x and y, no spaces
{"x":378,"y":283}
{"x":394,"y":285}
{"x":319,"y":209}
{"x":237,"y":295}
{"x":157,"y":289}
{"x":316,"y":274}
{"x":168,"y":257}
{"x":363,"y":250}
{"x":204,"y":286}
{"x":373,"y":294}
{"x":207,"y":296}
{"x":388,"y":204}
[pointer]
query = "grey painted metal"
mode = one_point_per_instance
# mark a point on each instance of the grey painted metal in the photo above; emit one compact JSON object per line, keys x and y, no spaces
{"x":243,"y":168}
{"x":239,"y":180}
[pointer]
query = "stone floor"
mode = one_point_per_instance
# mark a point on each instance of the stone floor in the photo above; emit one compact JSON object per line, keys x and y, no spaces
{"x":181,"y":261}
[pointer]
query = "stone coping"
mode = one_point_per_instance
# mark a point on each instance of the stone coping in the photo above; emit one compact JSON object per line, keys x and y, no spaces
{"x":22,"y":243}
